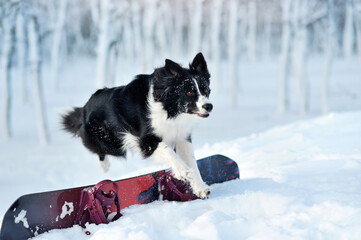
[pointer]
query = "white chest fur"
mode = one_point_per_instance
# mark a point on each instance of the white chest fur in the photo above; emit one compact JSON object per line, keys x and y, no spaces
{"x":171,"y":130}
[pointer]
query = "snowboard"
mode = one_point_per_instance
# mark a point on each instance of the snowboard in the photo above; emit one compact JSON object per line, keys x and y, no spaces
{"x":36,"y":213}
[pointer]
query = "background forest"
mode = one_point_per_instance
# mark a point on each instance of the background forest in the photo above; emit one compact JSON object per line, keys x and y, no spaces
{"x":41,"y":38}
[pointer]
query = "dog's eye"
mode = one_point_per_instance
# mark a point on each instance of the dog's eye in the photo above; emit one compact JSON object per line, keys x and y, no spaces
{"x":190,"y":93}
{"x":207,"y":91}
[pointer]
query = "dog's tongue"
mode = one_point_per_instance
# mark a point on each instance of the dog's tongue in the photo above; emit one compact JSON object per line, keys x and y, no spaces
{"x":203,"y":115}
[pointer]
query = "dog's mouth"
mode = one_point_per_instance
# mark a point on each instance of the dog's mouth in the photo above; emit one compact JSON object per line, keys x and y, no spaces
{"x":202,"y":115}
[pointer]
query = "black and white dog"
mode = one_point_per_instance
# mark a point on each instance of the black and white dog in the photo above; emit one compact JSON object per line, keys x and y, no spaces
{"x":153,"y":114}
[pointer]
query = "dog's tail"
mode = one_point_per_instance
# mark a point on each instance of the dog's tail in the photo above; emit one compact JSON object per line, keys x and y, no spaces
{"x":72,"y":120}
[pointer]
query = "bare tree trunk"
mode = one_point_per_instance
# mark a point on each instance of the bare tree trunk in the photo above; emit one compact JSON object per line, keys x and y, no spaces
{"x":149,"y":18}
{"x":129,"y":45}
{"x":112,"y":64}
{"x":103,"y":44}
{"x":331,"y":45}
{"x":195,"y":20}
{"x":35,"y":72}
{"x":94,"y":9}
{"x":21,"y":49}
{"x":5,"y":66}
{"x":301,"y":53}
{"x":252,"y":30}
{"x":215,"y":40}
{"x":287,"y":36}
{"x":160,"y":30}
{"x":348,"y":34}
{"x":178,"y":39}
{"x":137,"y":31}
{"x":267,"y":36}
{"x":58,"y":33}
{"x":232,"y":33}
{"x":358,"y":28}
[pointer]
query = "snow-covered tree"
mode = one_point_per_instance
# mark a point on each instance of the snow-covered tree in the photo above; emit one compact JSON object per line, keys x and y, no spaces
{"x":35,"y":73}
{"x":216,"y":42}
{"x":298,"y":17}
{"x":148,"y":28}
{"x":135,"y":16}
{"x":348,"y":33}
{"x":267,"y":32}
{"x":178,"y":20}
{"x":58,"y":33}
{"x":103,"y":43}
{"x":358,"y":26}
{"x":330,"y":54}
{"x":108,"y":16}
{"x":287,"y":38}
{"x":252,"y":30}
{"x":8,"y":14}
{"x":195,"y":25}
{"x":232,"y":51}
{"x":301,"y":10}
{"x":21,"y":49}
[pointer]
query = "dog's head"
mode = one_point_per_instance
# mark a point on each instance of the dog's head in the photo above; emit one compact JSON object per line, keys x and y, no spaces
{"x":184,"y":90}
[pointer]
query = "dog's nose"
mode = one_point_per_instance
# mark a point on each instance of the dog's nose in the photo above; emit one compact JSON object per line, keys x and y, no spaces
{"x":208,"y":107}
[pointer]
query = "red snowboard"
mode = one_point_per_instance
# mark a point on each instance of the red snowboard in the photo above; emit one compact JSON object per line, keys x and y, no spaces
{"x":36,"y":213}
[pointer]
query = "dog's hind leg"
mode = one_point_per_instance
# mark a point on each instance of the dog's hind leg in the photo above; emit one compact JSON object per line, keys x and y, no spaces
{"x":104,"y":163}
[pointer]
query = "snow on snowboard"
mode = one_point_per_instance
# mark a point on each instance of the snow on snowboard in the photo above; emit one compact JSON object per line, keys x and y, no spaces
{"x":36,"y":213}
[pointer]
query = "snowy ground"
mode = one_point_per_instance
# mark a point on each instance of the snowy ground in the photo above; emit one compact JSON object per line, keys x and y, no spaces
{"x":300,"y":175}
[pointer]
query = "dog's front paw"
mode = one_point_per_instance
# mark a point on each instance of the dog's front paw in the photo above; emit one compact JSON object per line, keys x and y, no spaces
{"x":203,"y":193}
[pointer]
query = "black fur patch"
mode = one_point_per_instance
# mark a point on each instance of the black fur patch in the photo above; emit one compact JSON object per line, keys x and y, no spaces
{"x":148,"y":144}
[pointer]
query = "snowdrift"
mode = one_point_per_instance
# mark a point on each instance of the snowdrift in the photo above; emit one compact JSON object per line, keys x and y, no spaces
{"x":299,"y":181}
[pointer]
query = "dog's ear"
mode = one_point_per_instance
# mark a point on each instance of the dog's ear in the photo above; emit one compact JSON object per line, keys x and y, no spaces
{"x":199,"y":64}
{"x":173,"y":67}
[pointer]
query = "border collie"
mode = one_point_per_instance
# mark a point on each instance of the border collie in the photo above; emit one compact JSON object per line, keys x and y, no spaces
{"x":153,"y":114}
